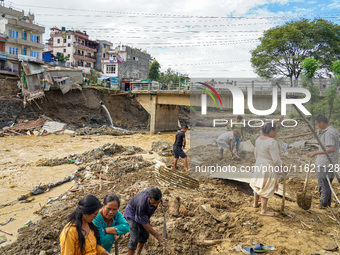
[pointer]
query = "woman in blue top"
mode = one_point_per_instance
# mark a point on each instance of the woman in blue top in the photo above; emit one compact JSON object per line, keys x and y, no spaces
{"x":110,"y":222}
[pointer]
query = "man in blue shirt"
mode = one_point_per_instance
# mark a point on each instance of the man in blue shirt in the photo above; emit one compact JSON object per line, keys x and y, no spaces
{"x":138,"y":212}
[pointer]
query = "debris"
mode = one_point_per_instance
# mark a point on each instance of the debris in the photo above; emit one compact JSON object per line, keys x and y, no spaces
{"x":7,"y":221}
{"x":162,"y":148}
{"x":174,"y":205}
{"x":52,"y":127}
{"x":330,"y":246}
{"x":5,"y":232}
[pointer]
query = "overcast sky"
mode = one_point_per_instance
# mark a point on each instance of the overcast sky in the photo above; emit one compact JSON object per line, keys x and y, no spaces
{"x":202,"y":38}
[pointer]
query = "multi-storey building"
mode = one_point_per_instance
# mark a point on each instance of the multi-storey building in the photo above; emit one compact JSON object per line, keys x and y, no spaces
{"x":102,"y":54}
{"x":75,"y":45}
{"x":127,"y":64}
{"x":23,"y":37}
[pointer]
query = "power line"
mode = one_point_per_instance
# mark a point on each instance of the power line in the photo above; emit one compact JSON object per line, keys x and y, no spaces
{"x":179,"y":16}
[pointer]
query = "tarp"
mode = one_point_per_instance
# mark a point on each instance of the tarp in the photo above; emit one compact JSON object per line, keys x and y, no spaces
{"x":60,"y":79}
{"x":103,"y":78}
{"x":52,"y":126}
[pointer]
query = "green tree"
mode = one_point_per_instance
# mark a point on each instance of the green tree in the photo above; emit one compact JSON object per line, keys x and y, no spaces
{"x":169,"y":76}
{"x":283,"y":48}
{"x":62,"y":58}
{"x":154,"y":70}
{"x":309,"y":66}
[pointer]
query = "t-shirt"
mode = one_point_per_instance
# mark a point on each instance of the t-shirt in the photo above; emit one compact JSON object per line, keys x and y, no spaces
{"x":179,"y":139}
{"x":330,"y":137}
{"x":237,"y":126}
{"x":226,"y":136}
{"x":138,"y":209}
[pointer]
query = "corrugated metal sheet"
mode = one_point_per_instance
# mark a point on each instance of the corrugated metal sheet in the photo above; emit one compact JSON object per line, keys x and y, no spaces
{"x":32,"y":68}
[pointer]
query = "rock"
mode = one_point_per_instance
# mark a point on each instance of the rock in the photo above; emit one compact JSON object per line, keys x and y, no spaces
{"x":330,"y":246}
{"x":162,"y":148}
{"x":247,"y":146}
{"x":174,"y":204}
{"x":183,"y":210}
{"x":42,"y":253}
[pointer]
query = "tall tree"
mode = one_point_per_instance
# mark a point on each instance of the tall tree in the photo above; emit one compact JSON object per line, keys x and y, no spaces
{"x":283,"y":48}
{"x":154,"y":70}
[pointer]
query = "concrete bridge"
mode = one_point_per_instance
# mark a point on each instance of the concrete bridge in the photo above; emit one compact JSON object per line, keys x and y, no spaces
{"x":162,"y":105}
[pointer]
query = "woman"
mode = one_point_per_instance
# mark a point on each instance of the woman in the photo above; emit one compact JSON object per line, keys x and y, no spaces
{"x":267,"y":156}
{"x":80,"y":236}
{"x":110,"y":222}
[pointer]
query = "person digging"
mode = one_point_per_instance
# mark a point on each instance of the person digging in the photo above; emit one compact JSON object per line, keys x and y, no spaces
{"x":224,"y":141}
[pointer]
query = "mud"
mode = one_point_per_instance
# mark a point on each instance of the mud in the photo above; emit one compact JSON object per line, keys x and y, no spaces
{"x":295,"y":231}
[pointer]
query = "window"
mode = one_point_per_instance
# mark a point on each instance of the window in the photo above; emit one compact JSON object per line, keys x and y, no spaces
{"x":111,"y":69}
{"x":24,"y":51}
{"x":64,"y":50}
{"x":68,"y":55}
{"x":68,"y":45}
{"x":58,"y":41}
{"x":68,"y":37}
{"x":13,"y":51}
{"x":104,"y":46}
{"x":13,"y":33}
{"x":35,"y":54}
{"x":24,"y":35}
{"x":88,"y":65}
{"x":34,"y":38}
{"x":38,"y":39}
{"x":103,"y":55}
{"x":64,"y":40}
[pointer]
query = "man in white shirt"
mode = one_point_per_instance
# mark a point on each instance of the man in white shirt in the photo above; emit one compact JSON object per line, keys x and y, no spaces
{"x":224,"y":141}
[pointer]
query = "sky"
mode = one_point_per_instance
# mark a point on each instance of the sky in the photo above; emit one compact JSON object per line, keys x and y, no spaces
{"x":205,"y":38}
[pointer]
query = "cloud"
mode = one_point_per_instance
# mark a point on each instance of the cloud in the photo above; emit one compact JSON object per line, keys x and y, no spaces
{"x":202,"y":38}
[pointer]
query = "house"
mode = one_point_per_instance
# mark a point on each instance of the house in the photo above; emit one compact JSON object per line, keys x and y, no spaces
{"x":102,"y":54}
{"x":126,"y":63}
{"x":22,"y":38}
{"x":75,"y":45}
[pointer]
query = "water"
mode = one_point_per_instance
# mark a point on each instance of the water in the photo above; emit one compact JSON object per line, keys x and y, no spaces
{"x":110,"y":119}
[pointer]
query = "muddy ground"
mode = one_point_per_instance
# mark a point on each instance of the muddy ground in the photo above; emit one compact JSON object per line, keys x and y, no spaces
{"x":295,"y":232}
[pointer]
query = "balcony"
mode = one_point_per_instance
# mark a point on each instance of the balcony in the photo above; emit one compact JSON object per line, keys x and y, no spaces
{"x":86,"y":58}
{"x":3,"y":55}
{"x":26,"y":25}
{"x":78,"y":45}
{"x":25,"y":42}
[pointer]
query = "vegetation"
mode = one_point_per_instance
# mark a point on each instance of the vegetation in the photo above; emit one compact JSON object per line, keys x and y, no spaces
{"x":283,"y":48}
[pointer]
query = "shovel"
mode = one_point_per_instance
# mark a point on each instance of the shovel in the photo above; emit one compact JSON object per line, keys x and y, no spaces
{"x":304,"y":201}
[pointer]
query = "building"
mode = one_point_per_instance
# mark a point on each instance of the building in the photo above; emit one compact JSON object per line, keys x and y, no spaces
{"x":102,"y":54}
{"x":75,"y":46}
{"x":126,"y":63}
{"x":22,"y":38}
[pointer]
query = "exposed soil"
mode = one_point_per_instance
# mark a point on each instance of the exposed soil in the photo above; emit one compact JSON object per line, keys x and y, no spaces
{"x":295,"y":232}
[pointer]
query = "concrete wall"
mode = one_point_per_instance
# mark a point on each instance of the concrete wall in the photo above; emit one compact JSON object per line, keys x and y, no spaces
{"x":166,"y":118}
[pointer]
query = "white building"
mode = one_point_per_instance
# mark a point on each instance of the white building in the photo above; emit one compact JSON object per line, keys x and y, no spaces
{"x":75,"y":45}
{"x":24,"y":37}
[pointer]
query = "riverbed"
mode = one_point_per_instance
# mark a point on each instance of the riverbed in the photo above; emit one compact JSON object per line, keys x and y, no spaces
{"x":19,"y":173}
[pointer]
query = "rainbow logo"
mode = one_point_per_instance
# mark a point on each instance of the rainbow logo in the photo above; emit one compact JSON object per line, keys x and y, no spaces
{"x":204,"y":97}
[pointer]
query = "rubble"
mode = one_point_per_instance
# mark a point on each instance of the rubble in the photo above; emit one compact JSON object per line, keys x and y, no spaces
{"x":162,"y":148}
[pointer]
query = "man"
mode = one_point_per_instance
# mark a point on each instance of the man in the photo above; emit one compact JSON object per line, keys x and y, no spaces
{"x":180,"y":143}
{"x":330,"y":139}
{"x":138,"y":212}
{"x":239,"y":137}
{"x":224,"y":141}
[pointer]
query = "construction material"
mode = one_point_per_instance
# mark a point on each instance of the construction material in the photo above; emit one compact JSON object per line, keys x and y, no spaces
{"x":6,"y":232}
{"x":164,"y":230}
{"x":304,"y":201}
{"x":209,"y":242}
{"x":283,"y":196}
{"x":168,"y":177}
